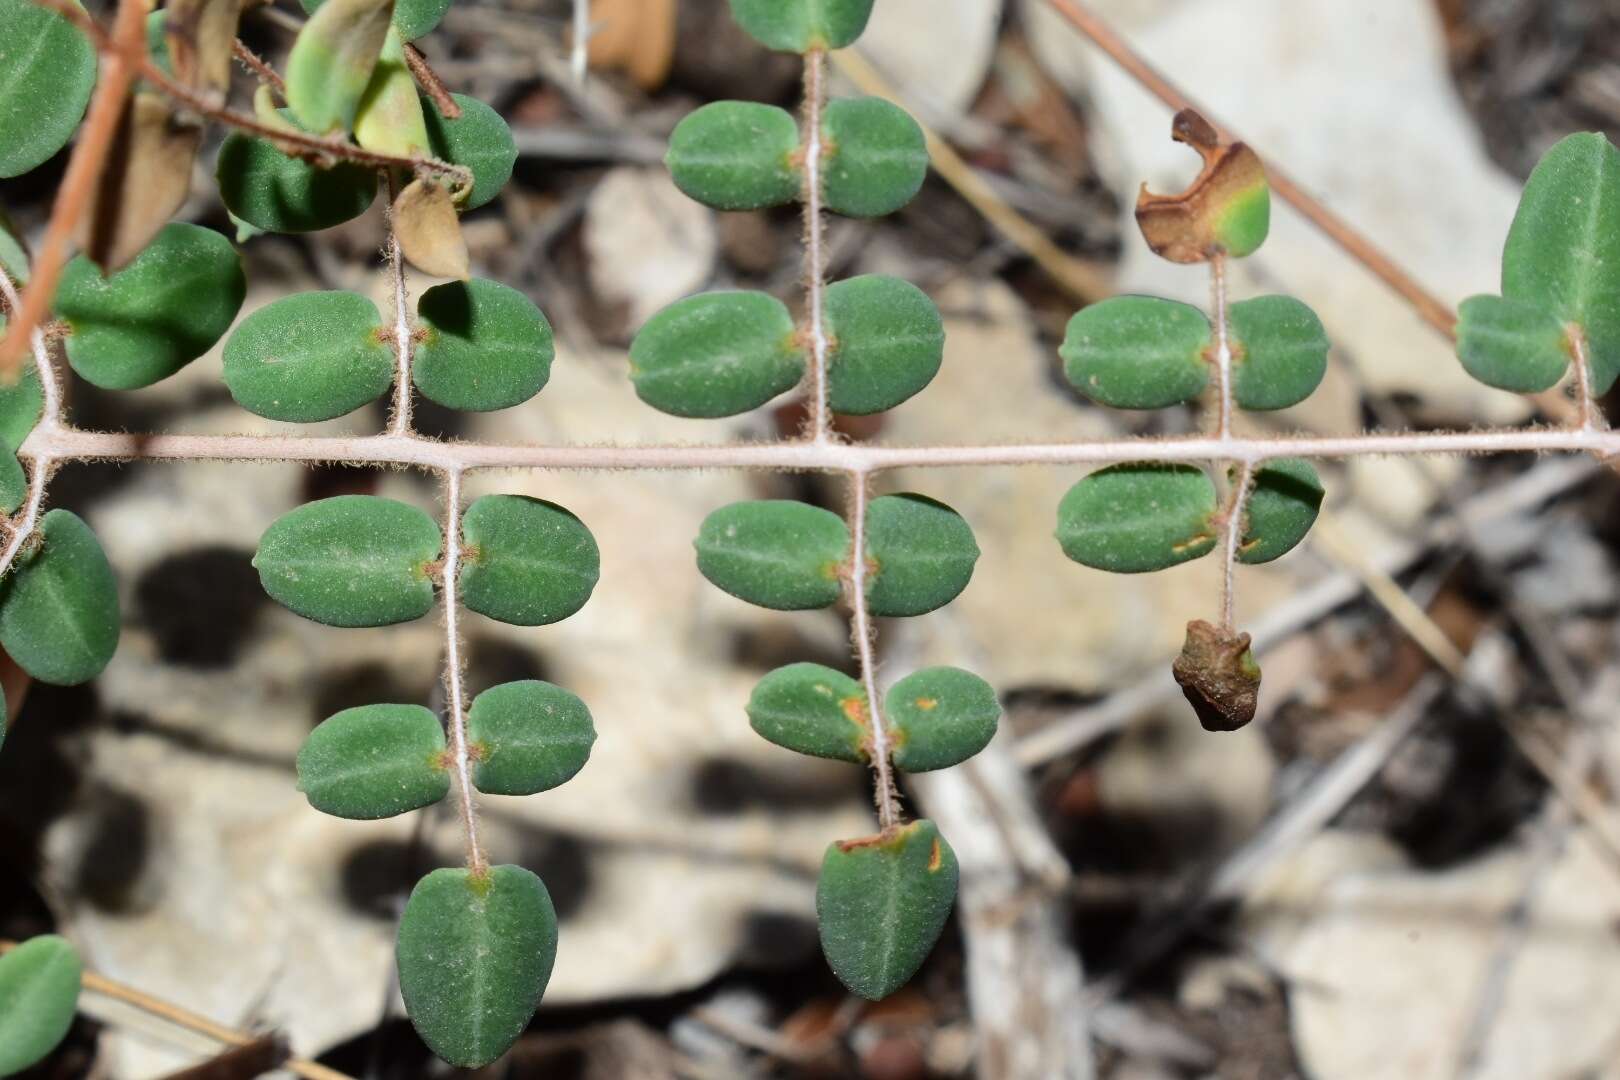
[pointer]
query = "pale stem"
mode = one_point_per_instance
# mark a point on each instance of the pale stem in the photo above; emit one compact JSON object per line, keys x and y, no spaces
{"x":815,"y":242}
{"x":1232,"y":538}
{"x":1223,"y":346}
{"x":581,"y":56}
{"x":400,"y":423}
{"x":455,"y":704}
{"x":22,"y":526}
{"x":1586,"y":401}
{"x":888,"y":804}
{"x":1237,"y":499}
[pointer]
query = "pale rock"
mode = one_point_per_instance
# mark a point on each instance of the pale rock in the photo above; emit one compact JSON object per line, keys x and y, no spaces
{"x":648,"y":244}
{"x":910,"y":59}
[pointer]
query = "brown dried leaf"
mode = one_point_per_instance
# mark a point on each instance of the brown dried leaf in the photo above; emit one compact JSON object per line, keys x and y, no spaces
{"x":636,"y":37}
{"x":429,"y":231}
{"x":200,"y":34}
{"x":1226,"y":210}
{"x":1219,"y":676}
{"x":146,"y":178}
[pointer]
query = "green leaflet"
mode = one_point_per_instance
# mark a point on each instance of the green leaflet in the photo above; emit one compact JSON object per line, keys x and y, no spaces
{"x":1563,"y":251}
{"x":353,"y":560}
{"x":1283,"y":505}
{"x":1138,"y":352}
{"x":775,"y":553}
{"x":13,"y":482}
{"x":882,"y":903}
{"x":21,"y":406}
{"x":940,"y":717}
{"x":1512,"y":345}
{"x":801,"y":25}
{"x":715,"y":355}
{"x":1279,"y":352}
{"x":479,"y":139}
{"x":39,"y":993}
{"x":309,"y":357}
{"x":413,"y":18}
{"x":47,"y":70}
{"x":528,"y":562}
{"x":878,"y":157}
{"x":276,"y":193}
{"x":814,"y":710}
{"x":484,"y":346}
{"x":475,"y":954}
{"x":156,"y":315}
{"x":737,"y":155}
{"x":59,"y":614}
{"x":529,"y":736}
{"x":888,"y":343}
{"x":13,"y":255}
{"x":331,"y":62}
{"x":375,"y":761}
{"x":921,"y":555}
{"x":1138,"y":517}
{"x":390,"y":118}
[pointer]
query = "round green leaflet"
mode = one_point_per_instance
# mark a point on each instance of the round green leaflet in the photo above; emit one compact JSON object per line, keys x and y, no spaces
{"x":921,"y":554}
{"x":527,"y":562}
{"x":777,"y":554}
{"x":59,"y":614}
{"x":801,"y":25}
{"x":1512,"y":345}
{"x":1138,"y":352}
{"x":21,"y":405}
{"x":277,"y":193}
{"x":878,"y":159}
{"x":413,"y":18}
{"x":13,"y":253}
{"x":374,"y":761}
{"x":332,"y":60}
{"x":47,"y":70}
{"x":1279,"y":352}
{"x":353,"y":560}
{"x":814,"y":710}
{"x":13,"y":482}
{"x":1138,"y":517}
{"x":479,"y":139}
{"x":1282,"y":507}
{"x":483,"y":346}
{"x":156,"y":315}
{"x":888,"y":343}
{"x":475,"y":953}
{"x":881,"y":903}
{"x":309,"y":357}
{"x":528,"y":737}
{"x":940,"y":716}
{"x":737,"y":155}
{"x":39,"y":993}
{"x":716,"y":355}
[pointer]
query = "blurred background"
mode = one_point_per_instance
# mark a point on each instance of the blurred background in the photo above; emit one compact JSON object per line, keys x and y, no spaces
{"x":1375,"y":880}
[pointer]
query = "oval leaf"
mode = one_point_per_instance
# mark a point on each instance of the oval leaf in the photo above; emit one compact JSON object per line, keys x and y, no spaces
{"x":1138,"y":517}
{"x":888,"y":343}
{"x":1563,"y":251}
{"x":1512,"y":345}
{"x":39,"y":993}
{"x":814,"y":710}
{"x":390,"y":118}
{"x":353,"y":560}
{"x":1279,"y":352}
{"x":21,"y":405}
{"x":59,"y":614}
{"x":428,"y":230}
{"x":530,"y":736}
{"x":775,"y":553}
{"x":413,"y":18}
{"x":1138,"y":352}
{"x":309,"y":357}
{"x":714,"y":355}
{"x":737,"y":155}
{"x":882,"y":903}
{"x":940,"y":717}
{"x":920,"y":552}
{"x":13,"y":482}
{"x":475,"y":954}
{"x":277,"y":193}
{"x":479,"y":140}
{"x":375,"y":761}
{"x":156,"y":315}
{"x":528,"y":562}
{"x":331,"y":62}
{"x":47,"y":71}
{"x":1283,"y":505}
{"x":483,"y":346}
{"x":801,"y":25}
{"x":878,"y":159}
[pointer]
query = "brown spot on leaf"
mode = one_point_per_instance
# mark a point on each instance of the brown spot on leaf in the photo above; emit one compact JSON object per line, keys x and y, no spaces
{"x":936,"y":857}
{"x":1218,"y":675}
{"x":927,"y":704}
